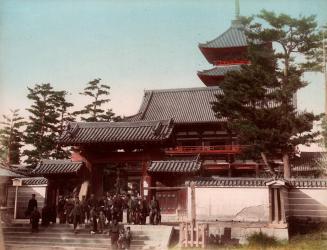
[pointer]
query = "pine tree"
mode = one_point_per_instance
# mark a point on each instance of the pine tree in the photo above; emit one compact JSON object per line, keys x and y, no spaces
{"x":11,"y":138}
{"x":258,"y":100}
{"x":48,"y":113}
{"x":62,"y":107}
{"x":99,"y":94}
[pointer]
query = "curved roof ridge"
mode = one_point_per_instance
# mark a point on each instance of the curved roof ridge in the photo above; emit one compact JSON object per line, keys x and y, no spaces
{"x":221,"y":69}
{"x":182,"y":89}
{"x":121,"y":124}
{"x":234,"y":36}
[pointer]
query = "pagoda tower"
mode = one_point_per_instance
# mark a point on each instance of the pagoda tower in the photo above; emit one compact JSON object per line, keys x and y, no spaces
{"x":227,"y":52}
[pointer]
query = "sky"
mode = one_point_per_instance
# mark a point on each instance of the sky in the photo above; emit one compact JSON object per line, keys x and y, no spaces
{"x":131,"y":45}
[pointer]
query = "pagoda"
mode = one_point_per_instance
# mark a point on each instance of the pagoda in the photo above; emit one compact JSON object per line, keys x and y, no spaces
{"x":226,"y":53}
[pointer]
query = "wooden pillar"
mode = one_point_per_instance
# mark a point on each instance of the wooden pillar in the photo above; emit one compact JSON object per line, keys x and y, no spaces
{"x":230,"y":170}
{"x":197,"y":235}
{"x":97,"y":181}
{"x":257,"y":170}
{"x":192,"y":234}
{"x":186,"y":235}
{"x":203,"y":236}
{"x":181,"y":234}
{"x":193,"y":205}
{"x":15,"y":209}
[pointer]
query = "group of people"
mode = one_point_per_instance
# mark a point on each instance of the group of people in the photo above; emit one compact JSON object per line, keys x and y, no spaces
{"x":100,"y":214}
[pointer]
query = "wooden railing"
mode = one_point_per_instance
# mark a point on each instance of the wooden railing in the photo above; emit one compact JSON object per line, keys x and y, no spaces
{"x":221,"y":149}
{"x":193,"y":236}
{"x":231,"y":62}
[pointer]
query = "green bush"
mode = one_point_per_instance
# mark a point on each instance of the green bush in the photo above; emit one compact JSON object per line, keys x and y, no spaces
{"x":263,"y":240}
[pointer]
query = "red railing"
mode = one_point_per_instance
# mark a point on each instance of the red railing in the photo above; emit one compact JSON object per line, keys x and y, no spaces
{"x":222,"y":149}
{"x":231,"y":62}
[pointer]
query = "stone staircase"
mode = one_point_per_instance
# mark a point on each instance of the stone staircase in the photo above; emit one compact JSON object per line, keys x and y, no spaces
{"x":61,"y":236}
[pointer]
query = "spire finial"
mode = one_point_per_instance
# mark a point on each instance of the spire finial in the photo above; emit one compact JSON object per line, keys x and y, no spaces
{"x":237,"y":9}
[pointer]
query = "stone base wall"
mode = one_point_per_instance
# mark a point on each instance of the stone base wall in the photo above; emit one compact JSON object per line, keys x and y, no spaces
{"x":237,"y":233}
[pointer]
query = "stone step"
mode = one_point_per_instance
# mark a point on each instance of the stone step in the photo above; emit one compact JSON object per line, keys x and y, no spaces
{"x":62,"y":237}
{"x":69,"y":231}
{"x":71,"y":234}
{"x":58,"y":246}
{"x":37,"y":238}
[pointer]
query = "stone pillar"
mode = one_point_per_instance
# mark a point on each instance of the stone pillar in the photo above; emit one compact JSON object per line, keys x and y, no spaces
{"x":271,"y":205}
{"x":276,"y":205}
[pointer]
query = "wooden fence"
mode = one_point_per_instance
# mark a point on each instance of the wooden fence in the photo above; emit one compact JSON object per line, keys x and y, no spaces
{"x":191,"y":235}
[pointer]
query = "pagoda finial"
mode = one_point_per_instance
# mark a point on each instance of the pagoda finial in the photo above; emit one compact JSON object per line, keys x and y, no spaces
{"x":237,"y":9}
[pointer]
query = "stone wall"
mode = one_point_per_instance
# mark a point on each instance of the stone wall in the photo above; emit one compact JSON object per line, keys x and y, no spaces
{"x":249,"y":204}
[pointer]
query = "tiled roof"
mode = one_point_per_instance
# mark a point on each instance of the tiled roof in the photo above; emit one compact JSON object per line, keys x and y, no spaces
{"x":188,"y":105}
{"x":117,"y":132}
{"x":229,"y":182}
{"x":175,"y":166}
{"x":233,"y":37}
{"x":219,"y":70}
{"x":53,"y":167}
{"x":34,"y":181}
{"x":309,"y":161}
{"x":308,"y":183}
{"x":4,"y":172}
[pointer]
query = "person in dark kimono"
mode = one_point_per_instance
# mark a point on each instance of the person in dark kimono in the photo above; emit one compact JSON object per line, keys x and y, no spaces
{"x":144,"y":210}
{"x":61,"y":210}
{"x":32,"y":203}
{"x":155,"y":216}
{"x":76,"y":214}
{"x":85,"y":212}
{"x":93,"y":218}
{"x":45,"y":216}
{"x":35,"y":218}
{"x":68,"y":208}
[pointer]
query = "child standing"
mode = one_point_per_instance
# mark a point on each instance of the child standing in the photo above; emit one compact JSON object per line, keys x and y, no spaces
{"x":93,"y":215}
{"x":128,"y":238}
{"x":102,"y":221}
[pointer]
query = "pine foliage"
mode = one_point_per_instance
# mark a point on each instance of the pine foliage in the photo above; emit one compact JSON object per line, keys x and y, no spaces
{"x":11,"y":135}
{"x":93,"y":112}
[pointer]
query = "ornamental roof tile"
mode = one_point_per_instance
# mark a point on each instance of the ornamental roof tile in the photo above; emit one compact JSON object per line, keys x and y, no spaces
{"x":55,"y":167}
{"x":233,"y":37}
{"x":307,"y":183}
{"x":175,"y":166}
{"x":117,"y":132}
{"x":220,"y":70}
{"x":33,"y":181}
{"x":184,"y":105}
{"x":229,"y":182}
